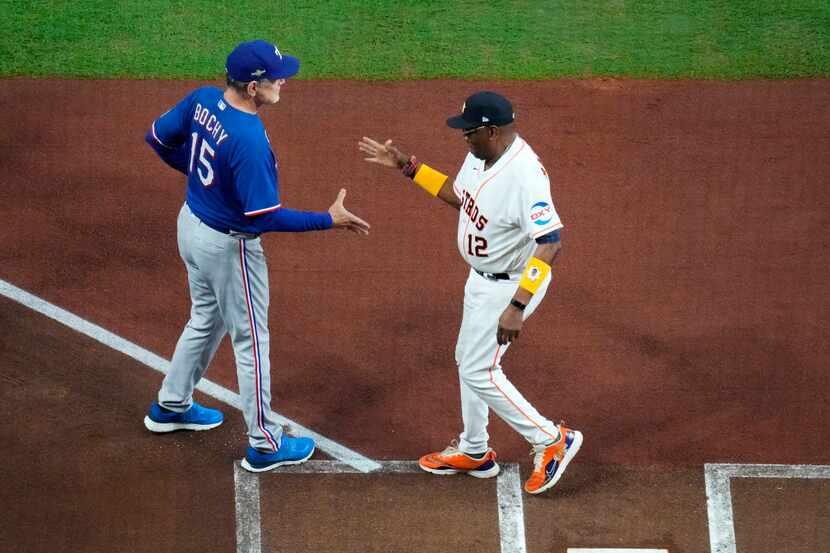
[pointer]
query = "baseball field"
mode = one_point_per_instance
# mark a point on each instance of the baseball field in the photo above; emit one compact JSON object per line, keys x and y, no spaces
{"x":685,"y":333}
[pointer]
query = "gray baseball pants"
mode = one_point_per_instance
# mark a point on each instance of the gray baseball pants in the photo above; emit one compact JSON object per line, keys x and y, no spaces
{"x":228,"y":278}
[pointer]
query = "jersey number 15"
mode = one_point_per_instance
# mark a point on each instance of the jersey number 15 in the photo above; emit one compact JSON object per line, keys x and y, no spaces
{"x":205,"y":169}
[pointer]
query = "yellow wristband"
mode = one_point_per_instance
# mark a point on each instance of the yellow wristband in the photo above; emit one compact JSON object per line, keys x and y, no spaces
{"x":429,"y":179}
{"x":535,"y":274}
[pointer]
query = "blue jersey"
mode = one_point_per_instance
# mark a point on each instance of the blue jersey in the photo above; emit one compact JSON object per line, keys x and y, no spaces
{"x":232,"y":174}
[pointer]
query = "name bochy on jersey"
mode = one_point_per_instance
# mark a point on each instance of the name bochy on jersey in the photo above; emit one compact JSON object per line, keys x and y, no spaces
{"x":232,"y":171}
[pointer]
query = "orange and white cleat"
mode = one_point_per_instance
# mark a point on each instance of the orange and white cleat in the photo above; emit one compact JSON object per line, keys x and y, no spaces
{"x":454,"y":461}
{"x":551,"y":460}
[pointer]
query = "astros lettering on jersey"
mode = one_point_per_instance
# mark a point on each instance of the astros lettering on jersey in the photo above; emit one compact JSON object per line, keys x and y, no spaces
{"x":497,"y":227}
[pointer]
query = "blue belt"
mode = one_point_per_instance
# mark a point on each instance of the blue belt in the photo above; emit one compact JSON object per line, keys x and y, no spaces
{"x":214,"y":227}
{"x":234,"y":233}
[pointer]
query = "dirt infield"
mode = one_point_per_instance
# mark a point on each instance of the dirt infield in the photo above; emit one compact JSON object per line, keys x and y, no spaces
{"x":686,"y":324}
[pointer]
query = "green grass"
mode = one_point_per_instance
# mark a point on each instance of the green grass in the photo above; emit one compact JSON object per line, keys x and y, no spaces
{"x":374,"y":39}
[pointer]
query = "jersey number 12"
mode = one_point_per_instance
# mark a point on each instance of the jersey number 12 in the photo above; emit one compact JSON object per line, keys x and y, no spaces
{"x":476,"y":245}
{"x":205,"y":169}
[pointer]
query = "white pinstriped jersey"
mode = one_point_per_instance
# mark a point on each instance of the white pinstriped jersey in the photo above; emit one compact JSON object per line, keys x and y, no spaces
{"x":503,"y":209}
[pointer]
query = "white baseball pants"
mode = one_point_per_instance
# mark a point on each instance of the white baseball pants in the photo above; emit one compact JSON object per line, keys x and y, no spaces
{"x":478,"y":355}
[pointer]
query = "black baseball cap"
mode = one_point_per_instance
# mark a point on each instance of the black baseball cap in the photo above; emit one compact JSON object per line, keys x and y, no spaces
{"x":483,"y":108}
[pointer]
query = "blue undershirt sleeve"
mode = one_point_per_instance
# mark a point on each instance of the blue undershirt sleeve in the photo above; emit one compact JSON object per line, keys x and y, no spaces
{"x":291,"y":220}
{"x":551,"y":237}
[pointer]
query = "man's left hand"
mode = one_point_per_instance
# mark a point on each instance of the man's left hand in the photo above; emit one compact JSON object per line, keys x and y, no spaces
{"x":510,"y":323}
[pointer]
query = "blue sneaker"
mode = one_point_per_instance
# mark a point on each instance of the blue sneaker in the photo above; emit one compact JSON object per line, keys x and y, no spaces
{"x":292,"y":451}
{"x":195,"y":418}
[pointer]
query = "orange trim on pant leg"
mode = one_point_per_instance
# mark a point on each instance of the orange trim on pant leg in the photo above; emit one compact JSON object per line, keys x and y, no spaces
{"x":492,"y":380}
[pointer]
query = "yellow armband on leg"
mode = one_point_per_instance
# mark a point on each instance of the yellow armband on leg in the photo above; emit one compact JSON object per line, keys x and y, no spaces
{"x":429,"y":179}
{"x":534,"y":275}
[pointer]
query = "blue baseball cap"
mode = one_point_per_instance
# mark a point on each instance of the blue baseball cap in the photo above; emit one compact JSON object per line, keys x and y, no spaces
{"x":483,"y":108}
{"x":258,"y":59}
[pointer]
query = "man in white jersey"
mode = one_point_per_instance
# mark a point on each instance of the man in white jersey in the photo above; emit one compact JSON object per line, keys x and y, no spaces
{"x":508,"y":232}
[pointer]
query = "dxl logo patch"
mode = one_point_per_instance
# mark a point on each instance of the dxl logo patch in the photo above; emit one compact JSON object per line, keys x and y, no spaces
{"x":541,"y":213}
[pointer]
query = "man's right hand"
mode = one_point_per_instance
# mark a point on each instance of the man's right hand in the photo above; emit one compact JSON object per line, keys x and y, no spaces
{"x":342,"y":218}
{"x":383,"y":154}
{"x":388,"y":155}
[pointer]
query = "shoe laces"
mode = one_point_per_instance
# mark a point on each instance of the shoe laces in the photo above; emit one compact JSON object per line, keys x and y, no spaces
{"x":538,"y":450}
{"x":451,"y":449}
{"x":538,"y":453}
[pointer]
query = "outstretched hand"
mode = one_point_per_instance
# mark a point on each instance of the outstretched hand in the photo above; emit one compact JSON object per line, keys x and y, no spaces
{"x":342,"y":218}
{"x":383,"y":154}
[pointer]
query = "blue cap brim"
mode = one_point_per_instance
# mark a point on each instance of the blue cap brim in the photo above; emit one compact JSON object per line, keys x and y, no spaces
{"x":458,"y":122}
{"x":290,"y":66}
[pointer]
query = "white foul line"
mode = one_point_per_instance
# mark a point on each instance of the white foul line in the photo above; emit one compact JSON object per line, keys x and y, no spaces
{"x":615,"y":550}
{"x":719,"y":494}
{"x":719,"y":508}
{"x":248,"y":530}
{"x":330,"y":447}
{"x":511,"y":510}
{"x":334,"y":467}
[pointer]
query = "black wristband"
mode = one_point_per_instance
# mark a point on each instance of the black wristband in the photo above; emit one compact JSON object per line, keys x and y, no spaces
{"x":518,"y":305}
{"x":409,"y":169}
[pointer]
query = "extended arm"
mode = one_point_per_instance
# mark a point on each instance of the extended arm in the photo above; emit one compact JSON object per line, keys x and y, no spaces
{"x":293,"y":220}
{"x":437,"y":184}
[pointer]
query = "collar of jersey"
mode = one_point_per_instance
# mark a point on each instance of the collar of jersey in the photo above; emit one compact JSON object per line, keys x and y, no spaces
{"x":504,"y":157}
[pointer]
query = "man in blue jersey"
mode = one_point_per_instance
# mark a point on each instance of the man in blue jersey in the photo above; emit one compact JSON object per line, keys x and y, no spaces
{"x":216,"y":138}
